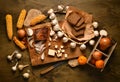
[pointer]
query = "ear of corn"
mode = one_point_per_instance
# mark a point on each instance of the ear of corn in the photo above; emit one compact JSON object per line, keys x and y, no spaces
{"x":38,"y":19}
{"x":9,"y":26}
{"x":21,"y":19}
{"x":18,"y":43}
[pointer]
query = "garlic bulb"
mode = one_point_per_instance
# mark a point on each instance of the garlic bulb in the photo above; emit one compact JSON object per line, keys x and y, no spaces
{"x":60,"y":34}
{"x":18,"y":55}
{"x":14,"y":68}
{"x":72,"y":44}
{"x":103,"y":33}
{"x":92,"y":42}
{"x":26,"y":75}
{"x":21,"y":67}
{"x":52,"y":16}
{"x":60,"y":7}
{"x":83,"y":47}
{"x":95,"y":24}
{"x":9,"y":57}
{"x":52,"y":33}
{"x":65,"y":39}
{"x":56,"y":27}
{"x":50,"y":11}
{"x":54,"y":21}
{"x":96,"y":33}
{"x":29,"y":32}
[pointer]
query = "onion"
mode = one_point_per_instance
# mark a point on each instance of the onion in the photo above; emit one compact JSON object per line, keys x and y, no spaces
{"x":105,"y":43}
{"x":21,"y":33}
{"x":97,"y":55}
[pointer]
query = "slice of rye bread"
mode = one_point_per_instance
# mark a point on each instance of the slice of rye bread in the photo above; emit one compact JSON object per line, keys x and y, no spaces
{"x":80,"y":22}
{"x":80,"y":27}
{"x":73,"y":18}
{"x":78,"y":33}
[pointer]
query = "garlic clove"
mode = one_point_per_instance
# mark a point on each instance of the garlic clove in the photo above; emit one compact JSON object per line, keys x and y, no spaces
{"x":95,"y":24}
{"x":56,"y":46}
{"x":26,"y":75}
{"x":96,"y":33}
{"x":50,"y":11}
{"x":82,"y":47}
{"x":18,"y":55}
{"x":66,"y":8}
{"x":52,"y":16}
{"x":72,"y":44}
{"x":103,"y":33}
{"x":65,"y":39}
{"x":43,"y":56}
{"x":66,"y":55}
{"x":29,"y":32}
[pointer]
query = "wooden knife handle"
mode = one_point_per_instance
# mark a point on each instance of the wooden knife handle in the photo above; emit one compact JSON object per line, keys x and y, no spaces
{"x":46,"y":70}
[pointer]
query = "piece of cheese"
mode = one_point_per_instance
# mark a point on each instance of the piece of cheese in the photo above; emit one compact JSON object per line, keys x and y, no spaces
{"x":51,"y":52}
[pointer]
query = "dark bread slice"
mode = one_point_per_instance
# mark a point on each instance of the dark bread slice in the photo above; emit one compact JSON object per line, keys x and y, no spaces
{"x":73,"y":18}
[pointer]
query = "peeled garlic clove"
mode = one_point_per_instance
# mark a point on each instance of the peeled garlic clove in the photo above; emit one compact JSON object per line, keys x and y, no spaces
{"x":65,"y":39}
{"x":56,"y":27}
{"x":54,"y":21}
{"x":29,"y":32}
{"x":50,"y":11}
{"x":52,"y":16}
{"x":60,"y":7}
{"x":60,"y":34}
{"x":56,"y":46}
{"x":83,"y":47}
{"x":103,"y":33}
{"x":42,"y":56}
{"x":65,"y":55}
{"x":96,"y":33}
{"x":95,"y":24}
{"x":26,"y":75}
{"x":18,"y":55}
{"x":92,"y":42}
{"x":52,"y":33}
{"x":66,"y":8}
{"x":72,"y":44}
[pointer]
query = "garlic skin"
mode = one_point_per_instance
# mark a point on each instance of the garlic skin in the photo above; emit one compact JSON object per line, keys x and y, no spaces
{"x":65,"y":39}
{"x":52,"y":33}
{"x":72,"y":45}
{"x":95,"y":24}
{"x":18,"y":55}
{"x":50,"y":11}
{"x":29,"y":32}
{"x":56,"y":27}
{"x":26,"y":75}
{"x":96,"y":33}
{"x":103,"y":33}
{"x":60,"y":7}
{"x":82,"y":47}
{"x":92,"y":42}
{"x":60,"y":34}
{"x":52,"y":16}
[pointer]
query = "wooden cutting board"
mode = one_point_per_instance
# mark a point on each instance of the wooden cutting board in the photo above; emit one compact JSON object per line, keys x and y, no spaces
{"x":36,"y":58}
